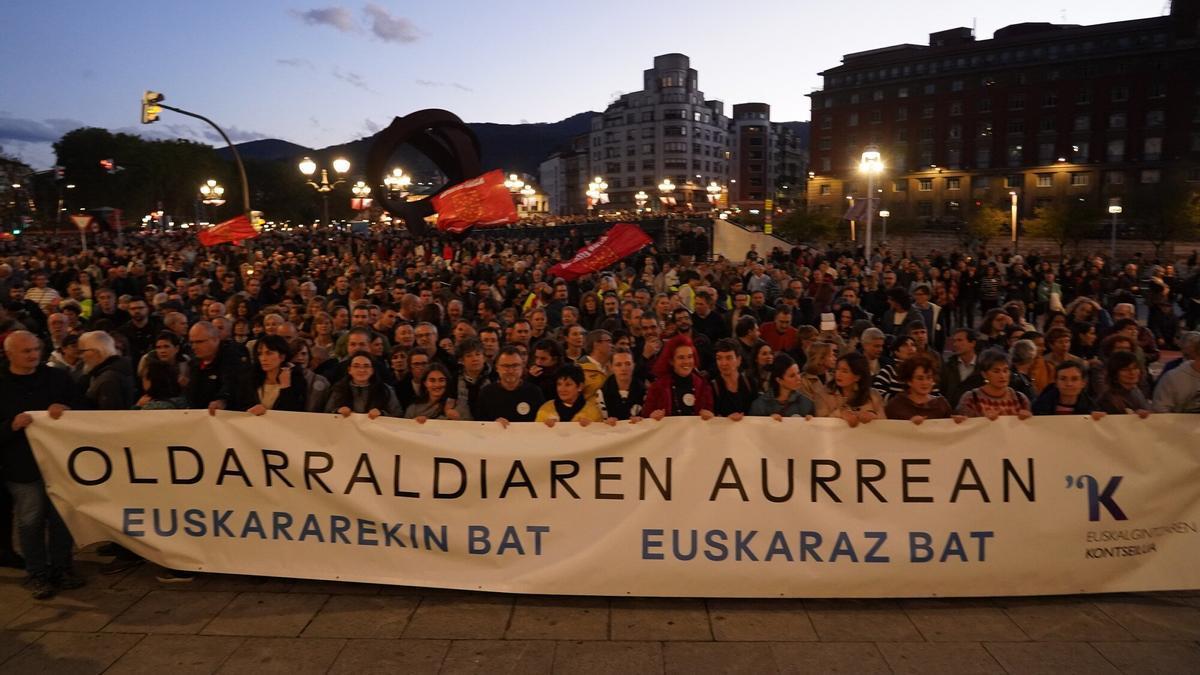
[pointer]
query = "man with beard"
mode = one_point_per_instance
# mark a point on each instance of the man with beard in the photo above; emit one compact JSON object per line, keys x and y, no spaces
{"x":511,"y":399}
{"x":141,"y":329}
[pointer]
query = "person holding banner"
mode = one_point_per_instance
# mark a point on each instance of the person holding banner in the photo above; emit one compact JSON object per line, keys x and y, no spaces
{"x":918,"y":402}
{"x":622,"y":395}
{"x":1123,"y":394}
{"x":278,"y":384}
{"x":995,"y":398}
{"x":569,"y":404}
{"x":850,"y":395}
{"x":362,"y":391}
{"x":1068,"y":394}
{"x":45,"y":541}
{"x":678,"y":390}
{"x":511,"y":399}
{"x":785,"y":400}
{"x":434,"y":401}
{"x":733,"y":395}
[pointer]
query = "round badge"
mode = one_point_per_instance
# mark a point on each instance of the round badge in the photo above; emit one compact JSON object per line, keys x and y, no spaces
{"x":689,"y":399}
{"x":523,"y":408}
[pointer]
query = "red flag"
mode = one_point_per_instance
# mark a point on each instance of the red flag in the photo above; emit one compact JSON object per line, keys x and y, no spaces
{"x":232,"y":231}
{"x":620,"y":241}
{"x":480,"y":201}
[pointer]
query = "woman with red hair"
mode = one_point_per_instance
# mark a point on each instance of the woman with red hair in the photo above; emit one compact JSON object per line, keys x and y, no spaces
{"x":678,"y":389}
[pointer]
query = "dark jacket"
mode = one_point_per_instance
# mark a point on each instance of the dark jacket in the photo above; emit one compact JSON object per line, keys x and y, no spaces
{"x":797,"y":405}
{"x":226,"y":378}
{"x":294,"y":398}
{"x":19,"y":393}
{"x":109,"y":386}
{"x":1048,"y":401}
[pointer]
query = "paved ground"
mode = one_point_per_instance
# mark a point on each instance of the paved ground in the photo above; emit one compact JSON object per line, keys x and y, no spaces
{"x":231,"y":624}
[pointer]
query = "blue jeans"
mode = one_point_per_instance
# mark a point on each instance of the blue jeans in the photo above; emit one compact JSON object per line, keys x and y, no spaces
{"x":45,"y":540}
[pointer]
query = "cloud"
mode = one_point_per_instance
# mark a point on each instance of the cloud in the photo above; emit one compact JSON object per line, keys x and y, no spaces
{"x":340,"y":18}
{"x":235,"y":134}
{"x":33,"y":131}
{"x":390,"y":28}
{"x":435,"y":83}
{"x":296,"y":63}
{"x":352,"y":79}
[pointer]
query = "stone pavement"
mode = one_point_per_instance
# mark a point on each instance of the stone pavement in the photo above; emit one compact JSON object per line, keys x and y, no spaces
{"x":233,"y":624}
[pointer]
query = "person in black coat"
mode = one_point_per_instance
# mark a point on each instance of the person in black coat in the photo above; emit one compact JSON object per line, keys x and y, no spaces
{"x":1068,"y":395}
{"x":278,"y":384}
{"x":219,"y":375}
{"x":27,"y":384}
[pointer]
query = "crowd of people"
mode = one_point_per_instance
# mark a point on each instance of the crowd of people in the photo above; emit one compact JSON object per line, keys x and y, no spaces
{"x":476,"y":328}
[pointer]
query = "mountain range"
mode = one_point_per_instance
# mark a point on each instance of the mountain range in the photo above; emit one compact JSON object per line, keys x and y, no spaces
{"x":512,"y":147}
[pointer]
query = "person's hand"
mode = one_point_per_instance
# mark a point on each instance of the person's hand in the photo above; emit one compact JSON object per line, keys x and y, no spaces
{"x":373,"y":413}
{"x":635,"y":419}
{"x":583,"y":421}
{"x":958,"y":419}
{"x":535,"y":371}
{"x":992,"y":415}
{"x":551,"y":421}
{"x":285,"y":377}
{"x":651,"y":347}
{"x":851,"y":418}
{"x":502,"y":422}
{"x":657,"y":415}
{"x":1143,"y":413}
{"x":421,"y":419}
{"x":777,"y":417}
{"x":215,"y":406}
{"x":1024,"y":414}
{"x":141,"y":402}
{"x":706,"y":415}
{"x":21,"y":421}
{"x":452,"y":413}
{"x":917,"y":419}
{"x":56,"y":410}
{"x":258,"y":410}
{"x":1098,"y":415}
{"x":866,"y":416}
{"x":737,"y":416}
{"x":344,"y":411}
{"x":610,"y":421}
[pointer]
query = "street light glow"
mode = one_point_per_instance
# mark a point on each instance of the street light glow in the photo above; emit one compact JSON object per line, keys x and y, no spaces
{"x":307,"y":166}
{"x":872,"y":162}
{"x":1115,"y":209}
{"x":340,"y":165}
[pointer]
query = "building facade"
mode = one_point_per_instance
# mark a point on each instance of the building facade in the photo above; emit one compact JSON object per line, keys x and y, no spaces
{"x":670,"y":130}
{"x":1048,"y":112}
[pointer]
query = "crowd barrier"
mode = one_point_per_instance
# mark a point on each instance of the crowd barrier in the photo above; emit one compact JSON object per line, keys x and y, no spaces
{"x":680,"y":507}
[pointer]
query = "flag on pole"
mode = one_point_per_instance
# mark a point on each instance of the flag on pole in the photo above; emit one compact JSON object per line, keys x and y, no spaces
{"x":621,"y":240}
{"x":481,"y":201}
{"x":231,"y":231}
{"x":856,"y":212}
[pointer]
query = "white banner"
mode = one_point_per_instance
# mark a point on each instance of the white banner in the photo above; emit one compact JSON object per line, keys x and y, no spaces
{"x":681,"y":507}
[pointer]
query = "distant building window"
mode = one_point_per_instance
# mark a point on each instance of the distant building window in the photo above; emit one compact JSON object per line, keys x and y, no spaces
{"x":1079,"y":152}
{"x":953,"y":183}
{"x":853,"y":98}
{"x":927,"y":112}
{"x":983,"y":158}
{"x":877,"y":95}
{"x":1015,"y":180}
{"x":876,"y":116}
{"x":956,"y":107}
{"x":1152,"y":149}
{"x":1016,"y":126}
{"x":985,"y":105}
{"x":1050,"y":99}
{"x":930,"y":88}
{"x":1155,"y":118}
{"x":925,"y":209}
{"x":826,"y":164}
{"x":1082,"y":123}
{"x":1080,"y":179}
{"x":1151,"y":175}
{"x":1083,"y":97}
{"x":852,"y":119}
{"x":825,"y":190}
{"x":1116,"y":121}
{"x":1157,"y":90}
{"x":1046,"y":124}
{"x":956,"y":85}
{"x":1120,"y":94}
{"x":827,"y":122}
{"x":925,"y":184}
{"x":1116,"y":150}
{"x":1045,"y":180}
{"x":1016,"y":102}
{"x":1114,"y":177}
{"x":902,"y":92}
{"x":901,"y":114}
{"x":900,"y":185}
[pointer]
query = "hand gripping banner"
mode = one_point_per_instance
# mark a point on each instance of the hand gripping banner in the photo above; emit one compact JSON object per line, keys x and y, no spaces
{"x":681,"y":507}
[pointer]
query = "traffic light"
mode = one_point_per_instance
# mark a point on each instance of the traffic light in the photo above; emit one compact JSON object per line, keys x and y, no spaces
{"x":150,"y":107}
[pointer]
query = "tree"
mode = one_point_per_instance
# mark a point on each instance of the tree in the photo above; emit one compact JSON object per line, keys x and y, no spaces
{"x":808,"y":227}
{"x":1164,"y":214}
{"x":985,"y":222}
{"x":1064,"y":223}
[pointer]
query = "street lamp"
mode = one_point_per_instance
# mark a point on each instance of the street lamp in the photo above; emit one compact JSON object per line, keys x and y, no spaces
{"x":397,"y":181}
{"x":640,"y":199}
{"x":666,"y":188}
{"x":514,"y":183}
{"x":211,"y":193}
{"x":528,"y":197}
{"x":714,"y":194}
{"x":596,"y":193}
{"x":340,"y":167}
{"x":362,"y":193}
{"x":1013,"y":212}
{"x":872,"y":165}
{"x":850,"y":202}
{"x":883,"y":215}
{"x":1114,"y":207}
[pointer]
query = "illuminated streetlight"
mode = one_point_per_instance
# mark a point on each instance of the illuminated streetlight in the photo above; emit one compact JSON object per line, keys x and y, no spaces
{"x":514,"y":183}
{"x":714,"y":193}
{"x":211,"y":193}
{"x":883,"y":215}
{"x":596,"y":193}
{"x":1114,"y":207}
{"x":397,"y":181}
{"x":641,"y":198}
{"x":872,"y":165}
{"x":340,"y":167}
{"x":1013,"y":214}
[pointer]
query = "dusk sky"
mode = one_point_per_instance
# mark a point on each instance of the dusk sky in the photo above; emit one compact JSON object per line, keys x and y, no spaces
{"x":320,"y":74}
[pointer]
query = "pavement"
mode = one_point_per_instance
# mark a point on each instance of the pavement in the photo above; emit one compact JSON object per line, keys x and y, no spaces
{"x":131,"y":623}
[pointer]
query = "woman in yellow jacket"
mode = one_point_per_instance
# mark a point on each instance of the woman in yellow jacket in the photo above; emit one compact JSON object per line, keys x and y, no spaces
{"x":569,"y":404}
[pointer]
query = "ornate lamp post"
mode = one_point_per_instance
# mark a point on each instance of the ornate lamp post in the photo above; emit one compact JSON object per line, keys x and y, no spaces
{"x":714,"y":194}
{"x":340,"y":167}
{"x":666,"y":188}
{"x":640,"y":199}
{"x":596,"y":193}
{"x":397,"y":181}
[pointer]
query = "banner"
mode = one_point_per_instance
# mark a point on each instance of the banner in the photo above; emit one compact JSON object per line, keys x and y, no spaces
{"x":479,"y":201}
{"x":620,"y":240}
{"x":232,"y":231}
{"x":681,"y":507}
